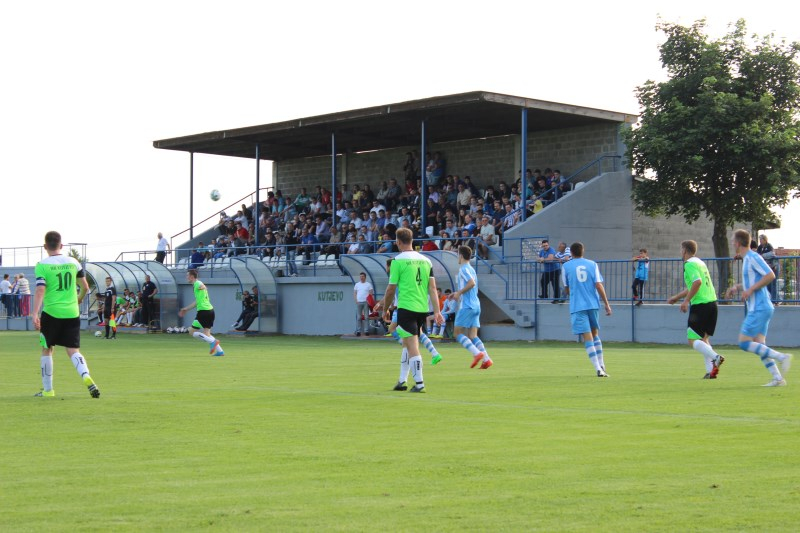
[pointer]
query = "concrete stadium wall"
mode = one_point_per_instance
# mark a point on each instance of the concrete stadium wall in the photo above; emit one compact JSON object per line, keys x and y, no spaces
{"x":487,"y":161}
{"x":657,"y":323}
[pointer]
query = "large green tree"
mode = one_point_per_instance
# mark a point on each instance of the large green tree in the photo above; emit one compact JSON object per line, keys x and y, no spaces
{"x":721,"y":136}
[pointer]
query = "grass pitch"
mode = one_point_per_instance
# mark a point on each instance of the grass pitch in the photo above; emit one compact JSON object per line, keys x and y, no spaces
{"x":304,"y":434}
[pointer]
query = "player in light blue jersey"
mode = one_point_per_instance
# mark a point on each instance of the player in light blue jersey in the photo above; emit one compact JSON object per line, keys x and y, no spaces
{"x":756,"y":277}
{"x":469,"y":313}
{"x":584,"y":285}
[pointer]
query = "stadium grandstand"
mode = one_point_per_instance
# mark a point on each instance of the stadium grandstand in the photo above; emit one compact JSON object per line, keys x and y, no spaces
{"x":446,"y":167}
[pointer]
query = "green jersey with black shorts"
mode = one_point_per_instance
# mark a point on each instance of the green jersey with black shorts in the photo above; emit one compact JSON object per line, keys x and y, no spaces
{"x":205,"y":311}
{"x":60,"y":321}
{"x":703,"y":308}
{"x":58,"y":274}
{"x":410,"y":272}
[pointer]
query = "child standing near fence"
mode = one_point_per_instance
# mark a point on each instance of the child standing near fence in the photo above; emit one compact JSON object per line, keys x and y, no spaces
{"x":642,"y":269}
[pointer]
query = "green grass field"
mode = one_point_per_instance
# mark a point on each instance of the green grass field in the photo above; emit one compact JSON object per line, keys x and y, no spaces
{"x":304,"y":434}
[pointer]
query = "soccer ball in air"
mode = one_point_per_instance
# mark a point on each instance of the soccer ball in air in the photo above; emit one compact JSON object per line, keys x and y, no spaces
{"x":215,"y":195}
{"x":98,"y":334}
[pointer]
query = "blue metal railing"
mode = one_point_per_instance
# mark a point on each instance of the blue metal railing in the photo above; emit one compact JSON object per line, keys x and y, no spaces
{"x":665,"y":278}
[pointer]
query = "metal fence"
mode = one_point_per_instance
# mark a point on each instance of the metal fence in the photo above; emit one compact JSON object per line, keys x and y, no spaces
{"x":665,"y":278}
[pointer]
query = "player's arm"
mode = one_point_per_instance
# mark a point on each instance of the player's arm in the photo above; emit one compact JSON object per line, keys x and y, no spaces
{"x":675,"y":297}
{"x":687,"y":299}
{"x":601,"y":291}
{"x":386,"y":303}
{"x":84,"y":287}
{"x":38,"y":299}
{"x":765,"y":280}
{"x":469,"y":285}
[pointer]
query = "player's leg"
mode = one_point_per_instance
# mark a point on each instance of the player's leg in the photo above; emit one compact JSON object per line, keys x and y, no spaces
{"x":598,"y":346}
{"x":581,"y":327}
{"x":46,"y":363}
{"x":752,"y":338}
{"x":436,"y":357}
{"x":79,"y":362}
{"x":404,"y":369}
{"x":202,"y":325}
{"x":408,"y":326}
{"x":486,"y":361}
{"x":461,"y":328}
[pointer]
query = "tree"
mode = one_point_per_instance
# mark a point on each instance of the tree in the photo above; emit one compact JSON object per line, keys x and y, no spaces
{"x":721,"y":137}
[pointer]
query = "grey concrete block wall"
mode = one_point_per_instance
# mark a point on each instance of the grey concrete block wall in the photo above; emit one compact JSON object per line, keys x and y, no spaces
{"x":487,"y":161}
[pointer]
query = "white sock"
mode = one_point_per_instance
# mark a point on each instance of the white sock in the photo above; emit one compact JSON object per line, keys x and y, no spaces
{"x":47,"y":372}
{"x":707,"y":351}
{"x":404,"y":366}
{"x":416,"y":369}
{"x":203,"y":337}
{"x":80,"y":364}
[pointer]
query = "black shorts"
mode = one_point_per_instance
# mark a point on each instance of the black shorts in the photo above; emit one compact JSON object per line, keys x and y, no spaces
{"x":410,"y":321}
{"x":64,"y":332}
{"x":205,"y":318}
{"x":703,"y":318}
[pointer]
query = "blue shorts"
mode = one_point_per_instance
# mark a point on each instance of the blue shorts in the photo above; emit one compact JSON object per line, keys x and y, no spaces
{"x":756,"y":323}
{"x":584,"y":321}
{"x":468,"y":318}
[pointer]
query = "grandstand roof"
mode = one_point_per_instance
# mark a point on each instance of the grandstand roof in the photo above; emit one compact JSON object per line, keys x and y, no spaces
{"x":448,"y":118}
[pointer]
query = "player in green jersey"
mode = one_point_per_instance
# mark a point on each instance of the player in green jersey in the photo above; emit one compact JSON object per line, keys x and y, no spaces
{"x":411,"y":278}
{"x":205,"y":313}
{"x":700,"y":299}
{"x":58,"y":302}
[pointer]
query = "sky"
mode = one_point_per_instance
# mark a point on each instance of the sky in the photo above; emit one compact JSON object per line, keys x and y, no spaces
{"x":89,"y":85}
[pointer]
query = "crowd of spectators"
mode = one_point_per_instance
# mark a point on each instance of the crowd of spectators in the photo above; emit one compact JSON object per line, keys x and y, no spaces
{"x":457,"y":212}
{"x":16,"y":296}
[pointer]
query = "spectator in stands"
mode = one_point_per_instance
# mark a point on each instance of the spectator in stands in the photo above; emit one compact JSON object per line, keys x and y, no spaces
{"x":198,"y":256}
{"x":268,"y":250}
{"x":562,"y":186}
{"x":466,"y":240}
{"x":302,"y":201}
{"x":308,"y":242}
{"x":162,"y":247}
{"x":392,"y":194}
{"x":334,"y":245}
{"x":551,"y":268}
{"x":469,"y":224}
{"x":463,"y":197}
{"x":5,"y":293}
{"x":444,"y":242}
{"x":381,"y":196}
{"x":511,"y":217}
{"x":377,"y":207}
{"x":386,"y":244}
{"x":248,"y":314}
{"x":368,"y":194}
{"x":410,"y":166}
{"x":486,"y":238}
{"x":323,"y":230}
{"x":413,"y":199}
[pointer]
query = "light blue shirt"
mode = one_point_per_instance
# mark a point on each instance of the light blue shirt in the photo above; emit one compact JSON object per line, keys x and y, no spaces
{"x":469,"y":299}
{"x":581,"y":275}
{"x":753,"y":269}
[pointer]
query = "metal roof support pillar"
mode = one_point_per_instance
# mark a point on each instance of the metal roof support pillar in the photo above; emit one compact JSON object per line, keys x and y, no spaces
{"x":423,"y":186}
{"x":333,"y":180}
{"x":191,"y":195}
{"x":523,"y":164}
{"x":257,"y":207}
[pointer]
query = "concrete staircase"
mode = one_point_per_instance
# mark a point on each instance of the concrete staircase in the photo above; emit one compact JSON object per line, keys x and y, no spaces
{"x":492,"y":275}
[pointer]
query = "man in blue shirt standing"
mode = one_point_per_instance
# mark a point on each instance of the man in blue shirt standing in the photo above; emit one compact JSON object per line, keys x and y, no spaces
{"x":756,"y":276}
{"x":584,"y":286}
{"x":551,"y":268}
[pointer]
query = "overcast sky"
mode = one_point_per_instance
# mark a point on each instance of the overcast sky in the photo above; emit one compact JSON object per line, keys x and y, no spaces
{"x":88,"y":86}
